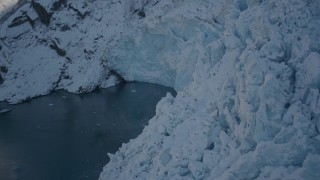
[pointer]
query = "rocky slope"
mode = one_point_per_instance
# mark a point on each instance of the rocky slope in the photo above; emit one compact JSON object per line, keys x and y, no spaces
{"x":59,"y":46}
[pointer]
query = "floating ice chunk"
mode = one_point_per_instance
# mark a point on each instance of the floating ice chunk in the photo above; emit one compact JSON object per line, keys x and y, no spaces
{"x":5,"y":111}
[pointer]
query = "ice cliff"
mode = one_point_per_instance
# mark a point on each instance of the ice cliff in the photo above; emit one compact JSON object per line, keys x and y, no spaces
{"x":247,"y":74}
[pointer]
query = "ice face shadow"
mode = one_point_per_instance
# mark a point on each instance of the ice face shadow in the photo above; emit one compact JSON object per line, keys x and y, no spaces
{"x":67,"y":136}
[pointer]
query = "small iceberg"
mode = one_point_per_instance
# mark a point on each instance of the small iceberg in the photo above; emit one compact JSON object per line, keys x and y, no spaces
{"x":2,"y":111}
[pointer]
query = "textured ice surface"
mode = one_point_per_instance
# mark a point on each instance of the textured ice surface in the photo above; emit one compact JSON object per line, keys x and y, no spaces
{"x":248,"y":105}
{"x":246,"y":72}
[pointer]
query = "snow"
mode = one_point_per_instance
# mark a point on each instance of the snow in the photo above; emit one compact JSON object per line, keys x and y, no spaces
{"x":35,"y":69}
{"x":6,"y":6}
{"x":246,"y":72}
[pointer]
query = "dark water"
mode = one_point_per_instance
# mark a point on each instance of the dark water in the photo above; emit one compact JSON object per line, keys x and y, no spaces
{"x":66,"y":136}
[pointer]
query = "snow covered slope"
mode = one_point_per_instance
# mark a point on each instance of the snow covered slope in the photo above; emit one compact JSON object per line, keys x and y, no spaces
{"x":67,"y":54}
{"x":247,"y":74}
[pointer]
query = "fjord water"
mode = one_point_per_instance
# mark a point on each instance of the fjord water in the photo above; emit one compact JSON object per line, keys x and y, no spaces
{"x":67,"y":136}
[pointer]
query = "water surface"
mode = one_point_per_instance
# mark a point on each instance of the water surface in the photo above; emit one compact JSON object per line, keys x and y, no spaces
{"x":67,"y":136}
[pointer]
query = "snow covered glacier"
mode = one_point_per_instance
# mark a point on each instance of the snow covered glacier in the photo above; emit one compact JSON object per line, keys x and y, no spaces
{"x":247,"y":74}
